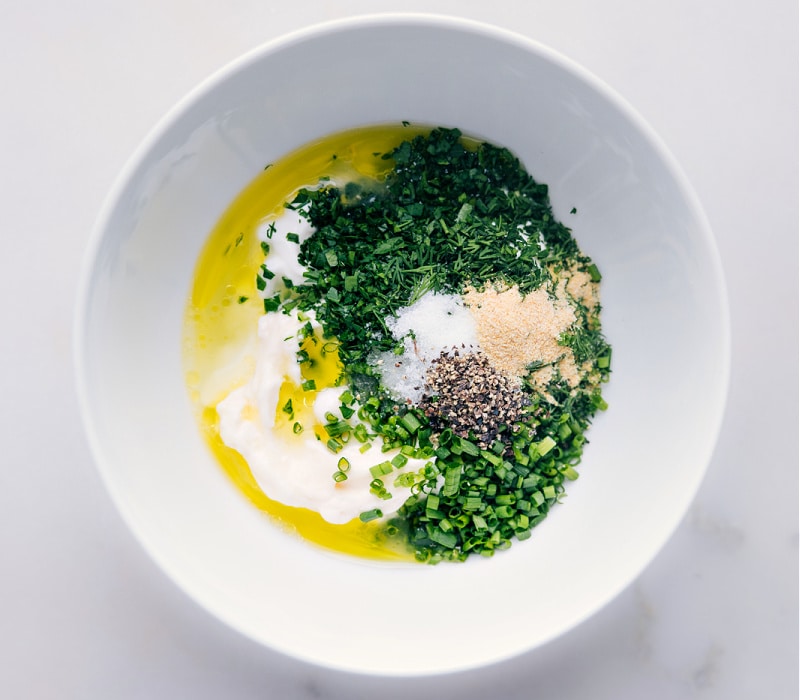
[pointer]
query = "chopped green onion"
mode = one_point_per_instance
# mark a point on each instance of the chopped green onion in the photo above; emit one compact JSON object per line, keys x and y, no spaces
{"x":469,"y":448}
{"x":569,"y":473}
{"x":337,"y":428}
{"x":411,"y":422}
{"x":492,"y":458}
{"x":405,"y":480}
{"x":381,"y":469}
{"x":446,"y":539}
{"x":545,"y":445}
{"x":473,"y":503}
{"x":399,"y":461}
{"x":452,"y":479}
{"x":360,"y":433}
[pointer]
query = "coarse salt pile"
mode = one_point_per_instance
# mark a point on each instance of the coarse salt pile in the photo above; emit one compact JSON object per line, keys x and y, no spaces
{"x":435,"y":323}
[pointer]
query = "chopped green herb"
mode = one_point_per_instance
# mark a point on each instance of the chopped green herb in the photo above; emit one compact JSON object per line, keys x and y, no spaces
{"x":368,"y":515}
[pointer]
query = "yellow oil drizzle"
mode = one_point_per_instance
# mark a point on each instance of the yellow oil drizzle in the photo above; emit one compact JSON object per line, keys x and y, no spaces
{"x":325,"y":369}
{"x":224,"y":308}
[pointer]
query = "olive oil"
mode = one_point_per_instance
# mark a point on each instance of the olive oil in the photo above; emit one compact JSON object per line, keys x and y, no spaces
{"x":225,"y":306}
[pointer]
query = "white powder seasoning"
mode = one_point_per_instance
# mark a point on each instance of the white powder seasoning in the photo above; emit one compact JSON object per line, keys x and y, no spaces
{"x":435,"y":323}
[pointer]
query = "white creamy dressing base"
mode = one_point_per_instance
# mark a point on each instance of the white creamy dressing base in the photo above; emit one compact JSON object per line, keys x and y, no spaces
{"x":298,"y":469}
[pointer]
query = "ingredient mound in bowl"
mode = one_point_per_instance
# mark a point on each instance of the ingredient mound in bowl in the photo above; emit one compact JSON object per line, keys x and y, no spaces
{"x":428,"y":354}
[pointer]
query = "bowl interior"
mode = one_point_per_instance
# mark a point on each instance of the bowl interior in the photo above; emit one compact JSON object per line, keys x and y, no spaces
{"x":664,"y":312}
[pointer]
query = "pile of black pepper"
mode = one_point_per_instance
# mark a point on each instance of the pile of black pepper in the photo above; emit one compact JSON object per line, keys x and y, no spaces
{"x":466,"y":394}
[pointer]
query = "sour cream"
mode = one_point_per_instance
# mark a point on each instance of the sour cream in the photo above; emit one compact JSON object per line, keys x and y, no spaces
{"x":298,"y":469}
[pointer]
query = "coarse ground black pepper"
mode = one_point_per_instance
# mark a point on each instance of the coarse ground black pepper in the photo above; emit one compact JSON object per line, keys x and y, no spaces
{"x":466,"y":394}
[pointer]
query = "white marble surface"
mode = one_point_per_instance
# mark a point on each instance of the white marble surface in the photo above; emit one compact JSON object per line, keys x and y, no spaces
{"x":86,"y":614}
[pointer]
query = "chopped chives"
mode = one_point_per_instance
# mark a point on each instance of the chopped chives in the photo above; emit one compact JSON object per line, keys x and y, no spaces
{"x":492,"y":458}
{"x":399,"y":461}
{"x":569,"y":473}
{"x":337,"y":428}
{"x":381,"y":469}
{"x":411,"y":422}
{"x":473,"y":503}
{"x":545,"y":445}
{"x":360,"y":433}
{"x":405,"y":480}
{"x":369,"y":515}
{"x":452,"y":479}
{"x":469,"y":448}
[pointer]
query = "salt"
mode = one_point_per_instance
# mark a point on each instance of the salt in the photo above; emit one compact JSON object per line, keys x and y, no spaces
{"x":435,"y":323}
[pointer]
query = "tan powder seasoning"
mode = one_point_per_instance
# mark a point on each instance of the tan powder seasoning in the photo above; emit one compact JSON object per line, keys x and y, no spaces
{"x":578,"y":284}
{"x":515,"y":331}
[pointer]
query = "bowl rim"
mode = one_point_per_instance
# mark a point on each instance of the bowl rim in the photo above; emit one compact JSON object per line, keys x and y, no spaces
{"x":260,"y":52}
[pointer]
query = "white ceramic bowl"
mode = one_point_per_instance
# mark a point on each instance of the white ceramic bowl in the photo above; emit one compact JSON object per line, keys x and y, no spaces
{"x":665,"y":314}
